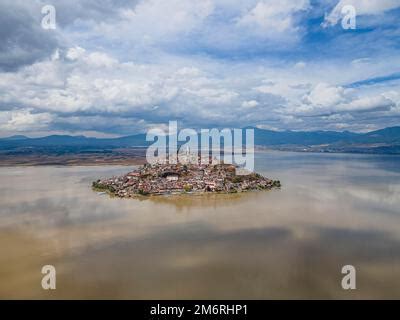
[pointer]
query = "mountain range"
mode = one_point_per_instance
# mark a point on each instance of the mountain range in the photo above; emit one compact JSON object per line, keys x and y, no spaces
{"x":385,"y":141}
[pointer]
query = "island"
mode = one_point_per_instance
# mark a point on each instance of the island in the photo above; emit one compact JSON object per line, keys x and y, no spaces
{"x":163,"y":179}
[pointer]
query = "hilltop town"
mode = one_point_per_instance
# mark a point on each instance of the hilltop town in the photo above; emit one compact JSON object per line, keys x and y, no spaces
{"x":161,"y":179}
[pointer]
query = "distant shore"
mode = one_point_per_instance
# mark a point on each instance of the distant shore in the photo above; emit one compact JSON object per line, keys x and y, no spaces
{"x":123,"y":157}
{"x":103,"y":157}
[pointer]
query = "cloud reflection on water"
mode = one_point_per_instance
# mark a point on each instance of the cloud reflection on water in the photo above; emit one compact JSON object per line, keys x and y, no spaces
{"x":288,"y":243}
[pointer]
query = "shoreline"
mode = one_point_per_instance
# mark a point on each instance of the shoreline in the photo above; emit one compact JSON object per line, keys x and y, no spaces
{"x":90,"y":160}
{"x":70,"y":161}
{"x":183,"y":193}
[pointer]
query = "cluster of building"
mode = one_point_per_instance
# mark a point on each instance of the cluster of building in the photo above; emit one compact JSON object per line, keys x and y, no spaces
{"x":179,"y":178}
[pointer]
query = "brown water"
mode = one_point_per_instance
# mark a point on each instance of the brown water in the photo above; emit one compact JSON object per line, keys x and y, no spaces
{"x":332,"y":210}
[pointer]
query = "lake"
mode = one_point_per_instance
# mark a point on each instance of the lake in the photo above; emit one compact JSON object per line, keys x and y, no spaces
{"x":332,"y":210}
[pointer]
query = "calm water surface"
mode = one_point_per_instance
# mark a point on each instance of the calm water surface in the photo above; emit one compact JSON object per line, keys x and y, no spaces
{"x":332,"y":210}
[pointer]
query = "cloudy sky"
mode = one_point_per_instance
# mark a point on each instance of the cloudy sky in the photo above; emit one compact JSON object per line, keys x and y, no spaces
{"x":119,"y":67}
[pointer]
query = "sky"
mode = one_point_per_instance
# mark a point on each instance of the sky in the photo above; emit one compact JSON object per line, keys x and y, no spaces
{"x":119,"y":67}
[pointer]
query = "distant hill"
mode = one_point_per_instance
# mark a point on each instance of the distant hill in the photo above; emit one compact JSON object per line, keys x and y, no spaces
{"x":380,"y":141}
{"x":70,"y":141}
{"x":18,"y":137}
{"x":271,"y":138}
{"x":387,"y":135}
